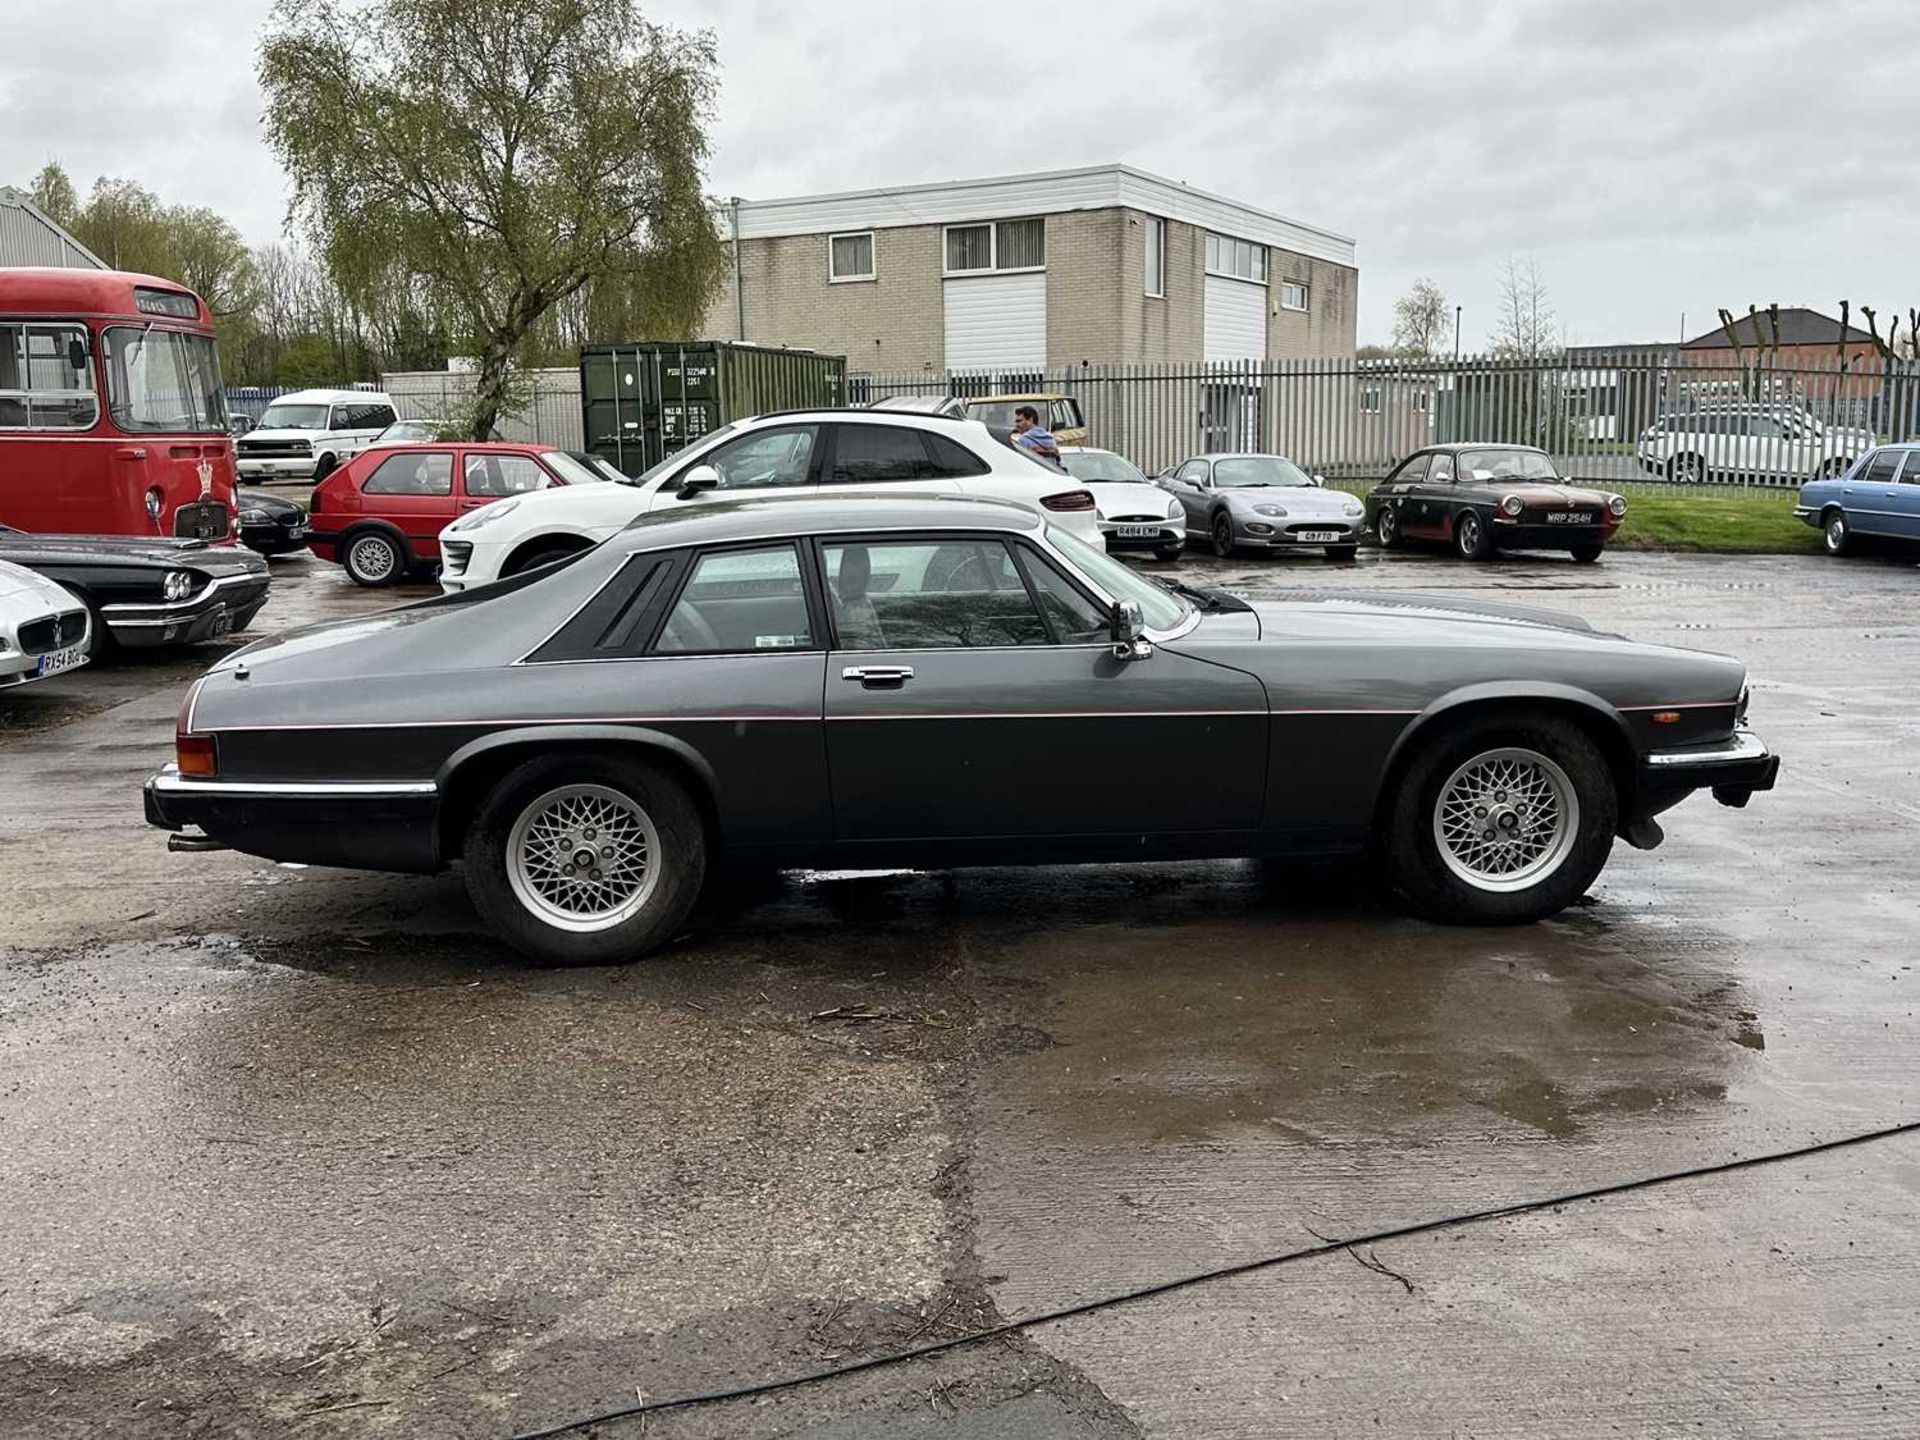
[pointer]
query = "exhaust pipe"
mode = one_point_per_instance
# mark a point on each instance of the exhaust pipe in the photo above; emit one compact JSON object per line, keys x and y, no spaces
{"x":194,"y":844}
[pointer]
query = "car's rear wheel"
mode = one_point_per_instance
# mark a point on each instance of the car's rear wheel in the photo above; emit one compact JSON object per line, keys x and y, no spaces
{"x":1686,"y":470}
{"x":586,"y":860}
{"x":1386,"y":527}
{"x":373,"y":558}
{"x":1222,"y":534}
{"x":1836,"y":533}
{"x":1501,"y":820}
{"x":1470,"y":536}
{"x":1586,"y":554}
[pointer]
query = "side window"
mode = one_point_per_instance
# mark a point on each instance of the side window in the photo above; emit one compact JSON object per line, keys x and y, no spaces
{"x":929,"y":594}
{"x":374,"y":417}
{"x":1194,"y":472}
{"x":1066,"y":415}
{"x":1911,"y":475}
{"x":952,"y":461}
{"x":766,"y":457}
{"x":1075,"y":620}
{"x":1413,"y":471}
{"x":1881,"y":469}
{"x":614,"y":625}
{"x":1440,"y":469}
{"x":870,"y":454}
{"x":341,"y":417}
{"x":412,"y":473}
{"x":40,"y":386}
{"x":738,"y":601}
{"x":1762,"y":427}
{"x":491,"y":476}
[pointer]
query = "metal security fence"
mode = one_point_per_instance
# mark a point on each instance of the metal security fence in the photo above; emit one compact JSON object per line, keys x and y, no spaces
{"x":1758,"y":419}
{"x":550,"y":414}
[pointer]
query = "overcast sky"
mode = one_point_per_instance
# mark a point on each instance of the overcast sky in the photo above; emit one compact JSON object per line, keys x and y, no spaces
{"x":1656,"y":157}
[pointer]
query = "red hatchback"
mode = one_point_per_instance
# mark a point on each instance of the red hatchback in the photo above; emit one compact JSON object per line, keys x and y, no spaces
{"x":380,"y":515}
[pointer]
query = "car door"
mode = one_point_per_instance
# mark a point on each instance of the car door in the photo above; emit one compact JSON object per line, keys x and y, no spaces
{"x":1413,"y":506}
{"x":1192,"y":487}
{"x":1905,"y":500}
{"x":413,"y":490}
{"x":778,"y":457}
{"x":1872,"y":494}
{"x":488,"y":475}
{"x":863,"y":457}
{"x":973,"y":693}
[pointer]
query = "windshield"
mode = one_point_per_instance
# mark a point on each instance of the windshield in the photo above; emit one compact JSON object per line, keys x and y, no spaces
{"x":1000,"y":412}
{"x":302,"y":417}
{"x":164,"y":380}
{"x":571,"y":470}
{"x":680,"y":457}
{"x":1506,"y":465}
{"x":1242,"y":471}
{"x":1100,"y":465}
{"x":1161,"y":608}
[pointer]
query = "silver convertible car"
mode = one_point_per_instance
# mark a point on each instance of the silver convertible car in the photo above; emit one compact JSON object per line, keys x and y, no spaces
{"x":898,"y":680}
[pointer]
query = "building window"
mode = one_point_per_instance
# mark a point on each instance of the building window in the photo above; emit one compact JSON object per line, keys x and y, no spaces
{"x":1370,"y":400}
{"x":1003,"y":245}
{"x":1156,"y":256}
{"x":850,"y":257}
{"x":1241,"y":259}
{"x":1293,"y":295}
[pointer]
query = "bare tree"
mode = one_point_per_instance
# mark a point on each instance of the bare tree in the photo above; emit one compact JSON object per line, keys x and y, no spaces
{"x":1420,"y":319}
{"x":1527,"y":327}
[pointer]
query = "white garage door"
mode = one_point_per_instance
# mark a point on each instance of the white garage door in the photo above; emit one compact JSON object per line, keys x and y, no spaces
{"x":997,"y":322}
{"x":1236,"y":318}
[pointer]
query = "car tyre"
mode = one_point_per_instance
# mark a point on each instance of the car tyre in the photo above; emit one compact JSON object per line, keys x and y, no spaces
{"x":1527,"y":871}
{"x":1586,"y":554}
{"x":1687,"y":470}
{"x":534,"y":559}
{"x":1341,"y":552}
{"x":324,"y":467}
{"x":1835,"y":533}
{"x":1470,"y":536}
{"x":373,"y":558}
{"x":1221,"y":533}
{"x":1386,"y":528}
{"x":553,"y":908}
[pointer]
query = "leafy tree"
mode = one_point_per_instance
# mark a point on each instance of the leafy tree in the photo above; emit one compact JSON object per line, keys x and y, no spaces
{"x":206,"y":254}
{"x":1420,"y":319}
{"x":53,"y":192}
{"x":509,"y":154}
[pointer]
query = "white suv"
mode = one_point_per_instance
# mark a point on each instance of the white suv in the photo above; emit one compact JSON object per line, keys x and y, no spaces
{"x":773,"y":455}
{"x":311,"y":433}
{"x":1757,"y":439}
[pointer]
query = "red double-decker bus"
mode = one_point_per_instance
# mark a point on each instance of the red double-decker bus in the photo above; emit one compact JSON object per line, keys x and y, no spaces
{"x":113,"y":420}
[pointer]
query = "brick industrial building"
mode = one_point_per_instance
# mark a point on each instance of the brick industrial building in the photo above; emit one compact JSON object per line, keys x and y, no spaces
{"x":1012,"y":276}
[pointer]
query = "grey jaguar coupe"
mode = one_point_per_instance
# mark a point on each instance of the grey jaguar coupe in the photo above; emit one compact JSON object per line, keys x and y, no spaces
{"x":892,"y":680}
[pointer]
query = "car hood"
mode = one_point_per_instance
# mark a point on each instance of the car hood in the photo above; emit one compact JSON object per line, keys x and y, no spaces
{"x":1306,"y":500}
{"x":249,"y":499}
{"x":128,"y":550}
{"x":580,"y":508}
{"x":279,"y":437}
{"x":1128,"y":497}
{"x":20,"y":584}
{"x":1540,"y":494}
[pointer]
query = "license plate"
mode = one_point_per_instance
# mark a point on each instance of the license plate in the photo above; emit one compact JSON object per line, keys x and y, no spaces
{"x":55,"y":661}
{"x":1139,"y":532}
{"x":1567,"y":517}
{"x":1312,"y":537}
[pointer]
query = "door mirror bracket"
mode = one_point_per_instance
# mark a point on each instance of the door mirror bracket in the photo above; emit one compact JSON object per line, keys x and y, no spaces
{"x":1128,"y":626}
{"x":697,"y":481}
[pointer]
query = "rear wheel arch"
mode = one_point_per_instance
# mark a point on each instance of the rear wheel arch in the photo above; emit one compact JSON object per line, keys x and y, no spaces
{"x":1598,"y":720}
{"x":472,"y":771}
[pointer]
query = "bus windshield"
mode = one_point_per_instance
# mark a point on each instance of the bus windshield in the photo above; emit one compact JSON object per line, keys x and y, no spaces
{"x":163,"y":380}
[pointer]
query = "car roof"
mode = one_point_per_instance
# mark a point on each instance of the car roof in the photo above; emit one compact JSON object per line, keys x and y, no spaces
{"x":1241,"y":455}
{"x":315,"y":397}
{"x":1456,"y":446}
{"x":867,"y":416}
{"x":770,"y":518}
{"x":1018,"y":395}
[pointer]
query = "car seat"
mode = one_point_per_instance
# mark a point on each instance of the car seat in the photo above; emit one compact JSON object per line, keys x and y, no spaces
{"x":854,"y":617}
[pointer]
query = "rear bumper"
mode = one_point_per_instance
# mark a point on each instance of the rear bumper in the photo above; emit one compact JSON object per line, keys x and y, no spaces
{"x":275,"y":469}
{"x":370,"y":825}
{"x":1733,"y":769}
{"x":226,"y":604}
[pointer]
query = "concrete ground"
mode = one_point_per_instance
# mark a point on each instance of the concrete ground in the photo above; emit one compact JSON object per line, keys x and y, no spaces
{"x":302,"y":1152}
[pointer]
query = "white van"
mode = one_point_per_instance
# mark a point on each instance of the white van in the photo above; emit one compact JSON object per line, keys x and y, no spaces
{"x":309,"y":434}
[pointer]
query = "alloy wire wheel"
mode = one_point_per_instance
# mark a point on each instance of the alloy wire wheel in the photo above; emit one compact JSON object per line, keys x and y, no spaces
{"x":1505,"y":820}
{"x":373,"y":560}
{"x":583,"y":857}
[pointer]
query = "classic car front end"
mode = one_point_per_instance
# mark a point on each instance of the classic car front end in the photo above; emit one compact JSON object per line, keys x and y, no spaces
{"x":764,"y":680}
{"x":148,"y":593}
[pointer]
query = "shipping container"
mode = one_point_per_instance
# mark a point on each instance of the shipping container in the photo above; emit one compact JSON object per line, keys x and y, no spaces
{"x":641,"y":402}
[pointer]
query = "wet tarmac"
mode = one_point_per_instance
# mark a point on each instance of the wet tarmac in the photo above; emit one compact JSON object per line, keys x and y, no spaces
{"x":302,"y":1152}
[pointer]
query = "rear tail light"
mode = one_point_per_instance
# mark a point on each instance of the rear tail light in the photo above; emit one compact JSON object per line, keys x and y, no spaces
{"x":1068,"y":500}
{"x":194,"y":754}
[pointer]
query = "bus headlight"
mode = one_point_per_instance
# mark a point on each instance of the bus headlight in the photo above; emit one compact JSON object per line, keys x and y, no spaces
{"x":176,"y":586}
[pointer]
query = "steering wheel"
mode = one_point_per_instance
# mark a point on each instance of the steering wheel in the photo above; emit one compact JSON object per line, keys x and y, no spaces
{"x":687,"y":629}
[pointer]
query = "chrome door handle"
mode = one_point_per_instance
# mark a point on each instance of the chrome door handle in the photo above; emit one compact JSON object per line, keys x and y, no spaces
{"x":879,"y":677}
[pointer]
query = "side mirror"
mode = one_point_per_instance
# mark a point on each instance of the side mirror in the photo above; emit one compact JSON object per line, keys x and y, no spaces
{"x":1127,"y":624}
{"x":76,"y":354}
{"x":697,"y":481}
{"x":1320,"y":480}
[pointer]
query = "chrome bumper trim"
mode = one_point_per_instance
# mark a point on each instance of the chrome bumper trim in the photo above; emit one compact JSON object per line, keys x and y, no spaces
{"x":175,"y":607}
{"x":1745,"y":745}
{"x":171,"y":782}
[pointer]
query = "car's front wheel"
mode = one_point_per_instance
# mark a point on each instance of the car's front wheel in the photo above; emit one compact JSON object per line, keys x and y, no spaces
{"x":1686,"y":470}
{"x":1471,"y":538}
{"x":1169,"y":552}
{"x":586,"y":860}
{"x":1501,"y":820}
{"x":1586,"y":554}
{"x":373,"y":558}
{"x":1222,"y":535}
{"x":1836,"y":533}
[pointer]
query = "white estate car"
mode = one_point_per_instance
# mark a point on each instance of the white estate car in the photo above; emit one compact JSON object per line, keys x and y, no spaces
{"x":43,"y":628}
{"x":1134,"y":513}
{"x":309,"y":434}
{"x":1754,"y":439}
{"x":837,"y":451}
